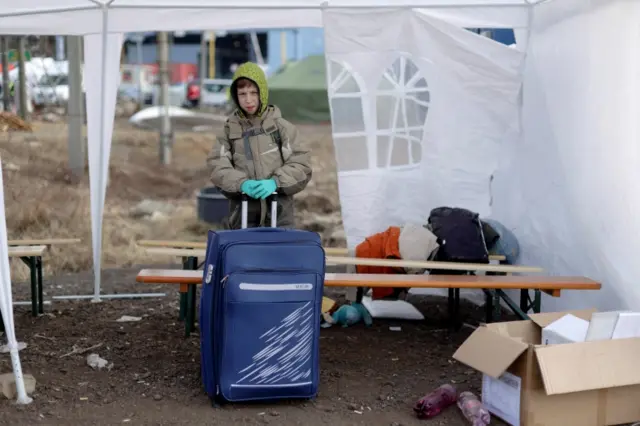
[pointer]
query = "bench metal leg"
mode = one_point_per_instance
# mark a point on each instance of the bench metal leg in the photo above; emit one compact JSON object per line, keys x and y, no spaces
{"x":493,"y":310}
{"x":454,"y":308}
{"x":188,"y":300}
{"x":183,"y":296}
{"x":527,"y":304}
{"x":512,"y":305}
{"x":189,"y":324}
{"x":34,"y":286}
{"x":40,"y":285}
{"x":31,"y":262}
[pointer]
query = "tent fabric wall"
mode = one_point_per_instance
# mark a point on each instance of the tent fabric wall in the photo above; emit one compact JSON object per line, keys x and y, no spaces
{"x":567,"y":189}
{"x":452,"y":95}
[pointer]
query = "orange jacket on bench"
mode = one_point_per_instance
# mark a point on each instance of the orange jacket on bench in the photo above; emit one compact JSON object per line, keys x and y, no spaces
{"x":383,"y":245}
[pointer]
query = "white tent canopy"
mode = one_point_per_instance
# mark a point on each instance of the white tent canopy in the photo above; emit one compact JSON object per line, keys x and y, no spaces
{"x":82,"y":17}
{"x":528,"y":120}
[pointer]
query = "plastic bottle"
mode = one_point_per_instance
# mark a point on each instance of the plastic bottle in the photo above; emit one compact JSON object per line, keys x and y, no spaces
{"x":434,"y":402}
{"x":473,"y":410}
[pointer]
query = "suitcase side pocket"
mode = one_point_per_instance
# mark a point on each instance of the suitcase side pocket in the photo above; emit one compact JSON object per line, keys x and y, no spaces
{"x":271,"y":334}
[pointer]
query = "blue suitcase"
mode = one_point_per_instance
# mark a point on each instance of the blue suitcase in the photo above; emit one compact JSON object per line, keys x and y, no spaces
{"x":260,"y":314}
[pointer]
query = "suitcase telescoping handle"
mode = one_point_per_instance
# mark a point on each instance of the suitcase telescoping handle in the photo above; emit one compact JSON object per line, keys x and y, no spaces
{"x":274,"y":210}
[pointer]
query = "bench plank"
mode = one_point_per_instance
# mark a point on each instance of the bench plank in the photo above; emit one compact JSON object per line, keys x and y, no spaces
{"x":26,"y":251}
{"x":457,"y":266}
{"x":339,"y":251}
{"x":505,"y":282}
{"x":186,"y":277}
{"x":330,"y":251}
{"x":337,"y":260}
{"x":178,"y":252}
{"x":173,"y":244}
{"x":45,"y":242}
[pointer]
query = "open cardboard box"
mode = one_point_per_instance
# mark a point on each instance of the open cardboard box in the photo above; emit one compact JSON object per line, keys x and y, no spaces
{"x":573,"y":384}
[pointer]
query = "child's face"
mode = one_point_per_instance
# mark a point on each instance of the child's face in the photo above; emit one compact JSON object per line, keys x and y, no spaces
{"x":249,"y":98}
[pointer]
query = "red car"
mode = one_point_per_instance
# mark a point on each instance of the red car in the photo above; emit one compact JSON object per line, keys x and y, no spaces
{"x":193,"y":93}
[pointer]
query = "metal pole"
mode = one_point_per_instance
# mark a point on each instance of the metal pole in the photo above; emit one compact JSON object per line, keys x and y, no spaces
{"x":4,"y":48}
{"x":109,"y":296}
{"x":165,"y":123}
{"x":22,"y":78}
{"x":256,"y":47}
{"x":75,"y":110}
{"x":203,"y":65}
{"x":284,"y":56}
{"x":212,"y":55}
{"x":60,"y":48}
{"x":140,"y":72}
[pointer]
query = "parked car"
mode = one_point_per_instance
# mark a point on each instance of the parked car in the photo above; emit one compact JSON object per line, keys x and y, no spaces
{"x":214,"y":93}
{"x":51,"y":90}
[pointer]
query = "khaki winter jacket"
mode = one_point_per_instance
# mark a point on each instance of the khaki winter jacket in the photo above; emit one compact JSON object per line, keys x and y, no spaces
{"x":248,"y":149}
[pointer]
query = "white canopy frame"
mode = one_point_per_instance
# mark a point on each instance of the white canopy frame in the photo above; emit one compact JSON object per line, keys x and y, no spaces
{"x":103,"y":24}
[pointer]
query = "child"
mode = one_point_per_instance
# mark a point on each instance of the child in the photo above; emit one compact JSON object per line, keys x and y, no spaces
{"x":258,"y":153}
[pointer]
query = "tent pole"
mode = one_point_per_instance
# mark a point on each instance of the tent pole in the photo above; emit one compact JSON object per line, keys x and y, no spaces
{"x":441,"y":4}
{"x":97,"y":267}
{"x":110,"y":296}
{"x":258,"y":5}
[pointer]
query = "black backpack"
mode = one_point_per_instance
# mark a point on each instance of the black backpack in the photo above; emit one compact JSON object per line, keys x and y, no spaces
{"x":460,"y":235}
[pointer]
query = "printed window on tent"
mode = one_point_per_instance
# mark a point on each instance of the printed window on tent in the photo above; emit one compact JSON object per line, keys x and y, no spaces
{"x":347,"y":118}
{"x":402,"y":103}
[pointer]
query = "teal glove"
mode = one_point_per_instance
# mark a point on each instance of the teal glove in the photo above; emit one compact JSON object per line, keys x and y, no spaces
{"x":264,"y":188}
{"x":249,"y":187}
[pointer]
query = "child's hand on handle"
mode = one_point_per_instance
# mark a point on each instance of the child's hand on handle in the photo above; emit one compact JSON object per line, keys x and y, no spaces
{"x":264,"y":188}
{"x":249,"y":187}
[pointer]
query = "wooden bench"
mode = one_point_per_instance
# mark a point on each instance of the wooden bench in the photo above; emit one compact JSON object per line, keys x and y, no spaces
{"x":493,"y":285}
{"x":30,"y":251}
{"x":191,"y":255}
{"x":329,"y":251}
{"x":31,"y":255}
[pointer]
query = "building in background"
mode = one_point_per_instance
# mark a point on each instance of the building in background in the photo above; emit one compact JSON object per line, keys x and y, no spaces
{"x":232,"y":47}
{"x":276,"y":46}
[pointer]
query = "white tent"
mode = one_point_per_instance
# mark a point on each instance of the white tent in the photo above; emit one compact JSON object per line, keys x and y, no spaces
{"x":416,"y":100}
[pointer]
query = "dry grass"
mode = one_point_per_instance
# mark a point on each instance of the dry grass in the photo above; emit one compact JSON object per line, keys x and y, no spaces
{"x":42,"y":201}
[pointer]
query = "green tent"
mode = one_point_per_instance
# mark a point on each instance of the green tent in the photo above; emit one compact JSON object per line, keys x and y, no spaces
{"x":299,"y":89}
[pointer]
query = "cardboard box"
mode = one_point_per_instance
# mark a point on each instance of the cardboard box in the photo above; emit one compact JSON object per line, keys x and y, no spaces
{"x":529,"y":384}
{"x":566,"y":329}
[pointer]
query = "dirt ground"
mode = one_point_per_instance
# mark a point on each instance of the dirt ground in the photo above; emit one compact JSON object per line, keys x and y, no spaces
{"x":144,"y":200}
{"x":369,"y":376}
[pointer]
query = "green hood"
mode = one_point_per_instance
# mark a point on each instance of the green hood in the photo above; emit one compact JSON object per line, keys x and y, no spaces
{"x":252,"y":72}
